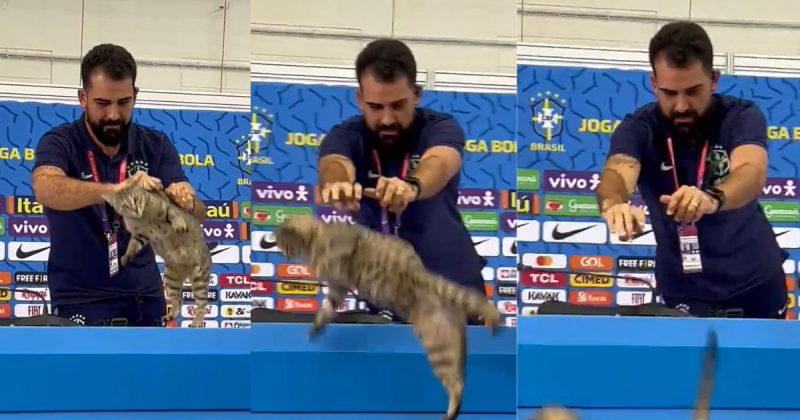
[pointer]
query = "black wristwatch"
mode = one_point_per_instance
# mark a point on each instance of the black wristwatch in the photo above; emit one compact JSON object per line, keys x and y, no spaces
{"x":716,"y":194}
{"x":415,"y":182}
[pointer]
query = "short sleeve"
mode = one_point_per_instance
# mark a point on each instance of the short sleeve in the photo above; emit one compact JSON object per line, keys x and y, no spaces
{"x":340,"y":140}
{"x":169,"y":169}
{"x":749,"y":127}
{"x":447,"y":132}
{"x":628,"y":138}
{"x":51,"y":150}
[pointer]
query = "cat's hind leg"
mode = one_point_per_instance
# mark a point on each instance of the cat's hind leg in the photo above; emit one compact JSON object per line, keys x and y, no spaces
{"x":173,"y":285}
{"x":327,"y":310}
{"x":200,"y":279}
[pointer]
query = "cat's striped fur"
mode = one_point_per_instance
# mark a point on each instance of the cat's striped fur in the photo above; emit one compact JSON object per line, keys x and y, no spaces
{"x":152,"y":218}
{"x":388,"y":273}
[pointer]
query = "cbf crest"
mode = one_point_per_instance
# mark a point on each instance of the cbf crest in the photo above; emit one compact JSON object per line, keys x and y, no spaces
{"x":547,"y":114}
{"x":251,"y":149}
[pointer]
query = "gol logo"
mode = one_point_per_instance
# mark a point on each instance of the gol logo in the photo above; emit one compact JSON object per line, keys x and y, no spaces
{"x":789,"y":282}
{"x":590,"y":262}
{"x":298,"y":288}
{"x":5,"y":277}
{"x":591,"y":280}
{"x":297,"y":304}
{"x":295,"y":270}
{"x":586,"y":297}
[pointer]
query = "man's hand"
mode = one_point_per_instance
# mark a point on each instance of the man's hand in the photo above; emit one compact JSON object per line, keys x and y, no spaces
{"x":689,"y":204}
{"x":624,"y":220}
{"x":148,"y":182}
{"x":343,"y":196}
{"x":393,"y":193}
{"x":181,"y":193}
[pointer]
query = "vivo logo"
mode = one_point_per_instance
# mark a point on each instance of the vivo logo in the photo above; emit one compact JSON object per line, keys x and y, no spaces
{"x":571,"y":181}
{"x":281,"y":192}
{"x":476,"y":199}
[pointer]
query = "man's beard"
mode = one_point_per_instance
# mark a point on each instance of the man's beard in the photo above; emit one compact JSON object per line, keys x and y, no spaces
{"x":393,"y":139}
{"x":110,"y":133}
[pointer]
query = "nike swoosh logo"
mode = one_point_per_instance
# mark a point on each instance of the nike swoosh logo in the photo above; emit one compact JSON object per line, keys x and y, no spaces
{"x":557,"y":235}
{"x":218,"y":251}
{"x":779,"y":234}
{"x":639,"y":235}
{"x":372,"y":175}
{"x":84,"y":175}
{"x":514,"y":247}
{"x":22,"y":254}
{"x":480,"y":242}
{"x":267,"y":244}
{"x":665,"y":167}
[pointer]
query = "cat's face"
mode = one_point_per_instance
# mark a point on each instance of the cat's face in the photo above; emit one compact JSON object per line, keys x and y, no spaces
{"x":129,"y":202}
{"x":296,"y":235}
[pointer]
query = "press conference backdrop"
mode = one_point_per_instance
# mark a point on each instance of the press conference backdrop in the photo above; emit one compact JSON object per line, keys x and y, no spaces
{"x":565,"y":119}
{"x":210,"y":144}
{"x":292,"y":120}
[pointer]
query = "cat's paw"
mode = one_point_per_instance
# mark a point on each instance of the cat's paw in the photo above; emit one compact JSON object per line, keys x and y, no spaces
{"x":180,"y":226}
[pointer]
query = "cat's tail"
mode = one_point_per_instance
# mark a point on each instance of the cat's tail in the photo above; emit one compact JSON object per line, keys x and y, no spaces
{"x":474,"y":303}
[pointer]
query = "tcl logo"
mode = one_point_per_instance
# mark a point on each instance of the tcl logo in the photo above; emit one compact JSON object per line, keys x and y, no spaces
{"x":590,"y":298}
{"x":261,"y":288}
{"x":590,"y":262}
{"x":295,"y":271}
{"x":234,"y":280}
{"x":507,"y":307}
{"x":298,"y":304}
{"x":542,"y":278}
{"x":507,"y":274}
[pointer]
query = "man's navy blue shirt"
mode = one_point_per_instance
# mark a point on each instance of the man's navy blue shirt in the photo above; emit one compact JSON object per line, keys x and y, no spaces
{"x":78,"y":266}
{"x":432,"y":226}
{"x":738,"y":247}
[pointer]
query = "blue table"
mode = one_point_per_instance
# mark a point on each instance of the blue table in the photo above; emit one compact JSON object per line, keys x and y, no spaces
{"x":636,"y":368}
{"x":350,"y":372}
{"x":375,"y":372}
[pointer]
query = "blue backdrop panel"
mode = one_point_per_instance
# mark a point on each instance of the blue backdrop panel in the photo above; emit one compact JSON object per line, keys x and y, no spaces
{"x":374,"y":369}
{"x":125,"y":369}
{"x":291,"y":122}
{"x":654,"y":363}
{"x":565,"y":118}
{"x":211,"y":145}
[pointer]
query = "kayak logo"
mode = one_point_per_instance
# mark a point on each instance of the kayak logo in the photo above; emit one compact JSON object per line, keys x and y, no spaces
{"x":281,"y":192}
{"x":537,"y":296}
{"x":571,"y":181}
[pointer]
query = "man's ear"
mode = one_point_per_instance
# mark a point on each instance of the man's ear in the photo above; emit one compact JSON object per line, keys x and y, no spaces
{"x":82,"y":97}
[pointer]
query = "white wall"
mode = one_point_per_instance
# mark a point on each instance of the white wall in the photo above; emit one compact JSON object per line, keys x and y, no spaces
{"x":750,"y":37}
{"x":445,"y":35}
{"x":187,"y":45}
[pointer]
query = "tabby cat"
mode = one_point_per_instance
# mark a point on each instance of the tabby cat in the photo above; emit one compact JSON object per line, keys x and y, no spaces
{"x":175,"y":235}
{"x":388,"y":273}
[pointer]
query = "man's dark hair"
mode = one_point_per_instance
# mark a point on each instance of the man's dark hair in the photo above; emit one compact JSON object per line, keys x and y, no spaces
{"x":386,"y":59}
{"x":114,"y":61}
{"x":680,"y":43}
